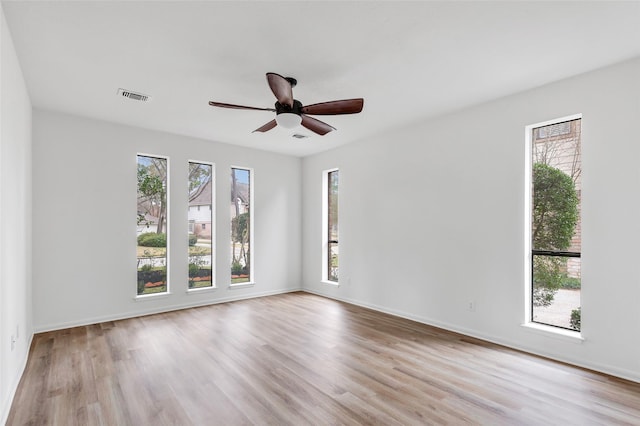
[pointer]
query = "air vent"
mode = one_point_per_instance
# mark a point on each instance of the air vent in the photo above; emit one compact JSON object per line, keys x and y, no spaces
{"x":299,"y":136}
{"x":133,"y":95}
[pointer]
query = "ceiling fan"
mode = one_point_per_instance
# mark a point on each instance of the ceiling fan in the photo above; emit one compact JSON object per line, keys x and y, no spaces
{"x":291,"y":113}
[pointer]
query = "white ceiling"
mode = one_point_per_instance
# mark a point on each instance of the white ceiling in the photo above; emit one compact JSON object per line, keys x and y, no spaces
{"x":409,"y":60}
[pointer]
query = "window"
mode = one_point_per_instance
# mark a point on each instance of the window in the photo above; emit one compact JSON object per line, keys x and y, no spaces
{"x":241,"y":226}
{"x":200,"y":235}
{"x":330,"y":226}
{"x":555,"y":231}
{"x":152,"y":223}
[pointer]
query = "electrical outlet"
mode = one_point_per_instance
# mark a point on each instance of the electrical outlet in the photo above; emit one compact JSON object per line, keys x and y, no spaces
{"x":13,"y":342}
{"x":471,"y":306}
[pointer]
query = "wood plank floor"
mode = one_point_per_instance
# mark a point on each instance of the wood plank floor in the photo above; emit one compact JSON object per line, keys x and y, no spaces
{"x":300,"y":359}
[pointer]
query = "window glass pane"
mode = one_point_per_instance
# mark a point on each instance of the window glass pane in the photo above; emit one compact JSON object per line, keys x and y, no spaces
{"x":240,"y":226}
{"x":561,"y":307}
{"x":557,"y":187}
{"x":200,"y":221}
{"x":332,"y":227}
{"x":152,"y":225}
{"x":555,"y":224}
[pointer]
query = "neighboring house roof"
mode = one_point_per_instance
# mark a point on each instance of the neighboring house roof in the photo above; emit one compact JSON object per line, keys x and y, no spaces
{"x":242,"y":192}
{"x":201,"y":196}
{"x":150,"y":220}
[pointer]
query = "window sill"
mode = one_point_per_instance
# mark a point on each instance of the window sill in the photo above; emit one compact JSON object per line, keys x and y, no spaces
{"x":201,"y":290}
{"x":334,"y":283}
{"x":241,"y":285}
{"x":153,"y":296}
{"x":555,"y":332}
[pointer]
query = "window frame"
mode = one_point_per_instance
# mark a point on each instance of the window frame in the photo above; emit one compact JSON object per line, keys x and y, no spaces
{"x":529,"y":252}
{"x":252,"y":279}
{"x":167,"y":292}
{"x":212,"y":211}
{"x":326,"y":242}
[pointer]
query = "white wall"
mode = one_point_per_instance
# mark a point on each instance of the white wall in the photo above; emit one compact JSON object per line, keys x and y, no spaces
{"x":432,"y":217}
{"x":15,"y":220}
{"x":84,"y":188}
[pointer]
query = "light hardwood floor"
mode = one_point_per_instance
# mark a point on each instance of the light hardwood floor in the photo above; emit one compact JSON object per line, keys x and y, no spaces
{"x":300,"y":359}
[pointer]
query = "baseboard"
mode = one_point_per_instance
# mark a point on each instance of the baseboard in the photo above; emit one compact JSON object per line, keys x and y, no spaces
{"x":600,"y":368}
{"x":6,"y":404}
{"x":144,"y":312}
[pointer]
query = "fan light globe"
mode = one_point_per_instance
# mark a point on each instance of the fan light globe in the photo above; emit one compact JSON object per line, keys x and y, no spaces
{"x":288,"y":120}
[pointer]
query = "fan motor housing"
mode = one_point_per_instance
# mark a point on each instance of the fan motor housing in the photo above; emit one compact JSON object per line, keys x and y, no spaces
{"x":296,"y":109}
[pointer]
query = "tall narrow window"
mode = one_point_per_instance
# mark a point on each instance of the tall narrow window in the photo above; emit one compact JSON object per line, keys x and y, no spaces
{"x":241,"y":226}
{"x":331,"y":226}
{"x":200,"y":221}
{"x":556,"y":191}
{"x":152,"y":225}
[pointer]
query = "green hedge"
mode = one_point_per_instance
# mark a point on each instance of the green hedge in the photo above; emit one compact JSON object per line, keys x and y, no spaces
{"x":570,"y":283}
{"x":154,"y":275}
{"x":152,"y":239}
{"x":199,"y":271}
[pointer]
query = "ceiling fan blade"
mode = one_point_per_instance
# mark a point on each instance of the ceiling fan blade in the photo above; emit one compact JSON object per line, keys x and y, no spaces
{"x":346,"y":106}
{"x":223,"y":105}
{"x":316,"y":125}
{"x":281,"y":88}
{"x":270,"y":125}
